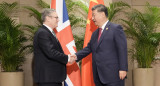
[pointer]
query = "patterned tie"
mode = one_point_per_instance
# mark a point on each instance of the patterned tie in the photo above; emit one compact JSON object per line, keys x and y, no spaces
{"x":100,"y":32}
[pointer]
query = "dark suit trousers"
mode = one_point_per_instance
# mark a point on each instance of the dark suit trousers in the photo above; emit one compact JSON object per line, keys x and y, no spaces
{"x":49,"y":84}
{"x":119,"y":83}
{"x":99,"y":83}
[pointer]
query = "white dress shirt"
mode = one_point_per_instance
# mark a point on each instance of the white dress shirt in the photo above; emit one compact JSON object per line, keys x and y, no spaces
{"x":103,"y":26}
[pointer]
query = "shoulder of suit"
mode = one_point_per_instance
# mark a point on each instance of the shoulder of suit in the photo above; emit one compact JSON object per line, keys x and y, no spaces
{"x":116,"y":26}
{"x":42,"y":30}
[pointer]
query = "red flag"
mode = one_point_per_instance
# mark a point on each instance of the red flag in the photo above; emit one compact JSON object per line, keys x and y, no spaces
{"x":87,"y":74}
{"x":65,"y":37}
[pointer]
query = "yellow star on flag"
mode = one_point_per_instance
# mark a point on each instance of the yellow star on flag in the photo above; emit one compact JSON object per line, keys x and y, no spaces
{"x":88,"y":21}
{"x":95,"y":1}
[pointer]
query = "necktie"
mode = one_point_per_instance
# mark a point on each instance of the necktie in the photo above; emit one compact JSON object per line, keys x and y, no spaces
{"x":100,"y":32}
{"x":54,"y":35}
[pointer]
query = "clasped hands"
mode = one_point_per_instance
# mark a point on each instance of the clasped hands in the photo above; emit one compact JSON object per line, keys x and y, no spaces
{"x":72,"y":58}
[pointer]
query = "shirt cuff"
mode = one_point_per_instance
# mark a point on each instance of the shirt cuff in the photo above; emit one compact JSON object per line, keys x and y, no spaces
{"x":68,"y":58}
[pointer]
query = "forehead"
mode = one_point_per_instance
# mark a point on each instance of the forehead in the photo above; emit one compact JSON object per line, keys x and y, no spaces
{"x":95,"y":12}
{"x":53,"y":13}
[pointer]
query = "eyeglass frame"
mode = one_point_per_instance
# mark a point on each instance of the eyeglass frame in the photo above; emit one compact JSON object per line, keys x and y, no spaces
{"x":53,"y":17}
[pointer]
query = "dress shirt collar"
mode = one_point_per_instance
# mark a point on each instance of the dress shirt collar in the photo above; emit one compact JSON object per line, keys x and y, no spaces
{"x":50,"y":29}
{"x":103,"y":26}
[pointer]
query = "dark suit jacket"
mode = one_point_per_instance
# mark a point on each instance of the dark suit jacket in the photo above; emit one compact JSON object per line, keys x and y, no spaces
{"x":109,"y":55}
{"x":49,"y":63}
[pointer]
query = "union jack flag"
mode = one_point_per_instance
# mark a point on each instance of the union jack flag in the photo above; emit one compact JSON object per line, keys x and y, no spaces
{"x":65,"y":37}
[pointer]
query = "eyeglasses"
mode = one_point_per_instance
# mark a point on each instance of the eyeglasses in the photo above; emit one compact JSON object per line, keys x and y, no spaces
{"x":54,"y":17}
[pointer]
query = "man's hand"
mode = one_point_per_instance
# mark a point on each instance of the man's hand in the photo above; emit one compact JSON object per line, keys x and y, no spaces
{"x":72,"y":58}
{"x":122,"y":74}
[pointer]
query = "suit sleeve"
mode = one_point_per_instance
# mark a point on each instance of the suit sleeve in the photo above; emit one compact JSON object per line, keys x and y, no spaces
{"x":121,"y":44}
{"x":85,"y":51}
{"x":48,"y":48}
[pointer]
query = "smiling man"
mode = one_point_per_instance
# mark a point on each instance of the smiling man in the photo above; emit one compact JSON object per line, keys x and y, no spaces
{"x":108,"y":46}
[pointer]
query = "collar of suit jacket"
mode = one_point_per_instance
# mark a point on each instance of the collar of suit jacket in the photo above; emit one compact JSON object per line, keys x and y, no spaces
{"x":50,"y":29}
{"x":103,"y":26}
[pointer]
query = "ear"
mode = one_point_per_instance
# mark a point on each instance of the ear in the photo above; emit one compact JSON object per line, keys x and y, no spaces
{"x":47,"y":18}
{"x":103,"y":14}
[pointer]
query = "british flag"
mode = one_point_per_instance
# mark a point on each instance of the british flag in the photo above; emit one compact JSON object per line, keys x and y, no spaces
{"x":65,"y":37}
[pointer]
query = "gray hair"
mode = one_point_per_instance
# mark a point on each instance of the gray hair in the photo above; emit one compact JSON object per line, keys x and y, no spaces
{"x":100,"y":8}
{"x":46,"y":12}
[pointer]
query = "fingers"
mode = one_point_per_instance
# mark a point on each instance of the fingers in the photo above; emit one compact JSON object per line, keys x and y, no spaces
{"x":72,"y":58}
{"x":122,"y":74}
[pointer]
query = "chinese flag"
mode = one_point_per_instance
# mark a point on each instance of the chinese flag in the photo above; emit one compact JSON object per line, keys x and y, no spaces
{"x":87,"y":74}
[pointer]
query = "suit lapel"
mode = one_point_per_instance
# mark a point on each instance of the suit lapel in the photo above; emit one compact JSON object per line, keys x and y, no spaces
{"x":96,"y":37}
{"x":44,"y":27}
{"x":105,"y":31}
{"x":49,"y":32}
{"x":57,"y":42}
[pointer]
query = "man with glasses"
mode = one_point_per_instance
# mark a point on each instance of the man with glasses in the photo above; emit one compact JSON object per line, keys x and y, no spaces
{"x":49,"y":63}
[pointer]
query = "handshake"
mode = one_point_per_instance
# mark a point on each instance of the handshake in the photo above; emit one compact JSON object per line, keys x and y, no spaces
{"x":72,"y":58}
